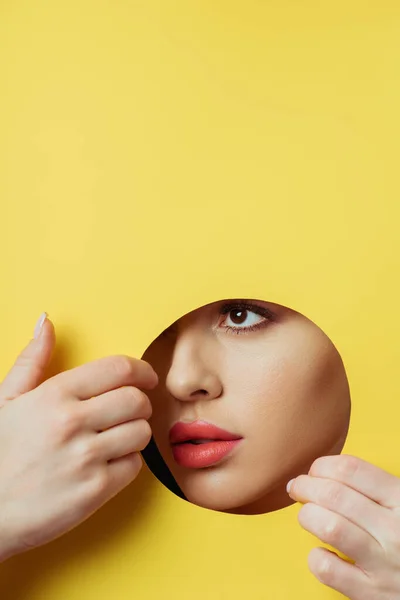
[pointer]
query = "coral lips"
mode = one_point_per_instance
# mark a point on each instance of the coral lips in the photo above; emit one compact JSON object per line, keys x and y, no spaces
{"x":199,"y":444}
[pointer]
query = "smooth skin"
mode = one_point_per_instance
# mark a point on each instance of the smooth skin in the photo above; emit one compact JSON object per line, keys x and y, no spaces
{"x":71,"y":441}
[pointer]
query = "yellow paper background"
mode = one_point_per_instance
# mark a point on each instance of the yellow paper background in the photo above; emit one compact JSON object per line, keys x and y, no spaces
{"x":156,"y":156}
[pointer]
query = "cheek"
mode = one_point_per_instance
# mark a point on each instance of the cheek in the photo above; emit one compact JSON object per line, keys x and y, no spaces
{"x":312,"y":391}
{"x":281,"y":387}
{"x":255,"y":386}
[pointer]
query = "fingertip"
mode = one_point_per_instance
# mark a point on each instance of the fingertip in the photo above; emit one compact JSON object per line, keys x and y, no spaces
{"x":44,"y":345}
{"x":47,"y":332}
{"x":297,"y":489}
{"x":289,"y":486}
{"x":155,"y":380}
{"x":137,"y":463}
{"x":39,"y":326}
{"x":44,"y":327}
{"x":49,"y":325}
{"x":153,"y":377}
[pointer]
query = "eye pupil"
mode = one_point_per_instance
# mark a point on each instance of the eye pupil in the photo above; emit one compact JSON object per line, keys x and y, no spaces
{"x":238,"y":316}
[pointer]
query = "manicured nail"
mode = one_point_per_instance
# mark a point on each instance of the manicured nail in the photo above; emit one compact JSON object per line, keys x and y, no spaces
{"x":39,"y":325}
{"x":289,"y":485}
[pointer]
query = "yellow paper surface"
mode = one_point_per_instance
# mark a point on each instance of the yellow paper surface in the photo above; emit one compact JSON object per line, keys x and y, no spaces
{"x":156,"y":156}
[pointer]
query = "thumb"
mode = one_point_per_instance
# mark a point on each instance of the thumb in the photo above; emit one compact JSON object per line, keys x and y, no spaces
{"x":29,"y":368}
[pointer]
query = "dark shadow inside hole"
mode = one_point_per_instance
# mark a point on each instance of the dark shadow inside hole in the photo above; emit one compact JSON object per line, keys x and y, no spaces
{"x":158,"y":467}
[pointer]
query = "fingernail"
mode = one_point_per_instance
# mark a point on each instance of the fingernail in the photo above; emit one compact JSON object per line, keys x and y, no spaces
{"x":289,"y":486}
{"x":39,"y":325}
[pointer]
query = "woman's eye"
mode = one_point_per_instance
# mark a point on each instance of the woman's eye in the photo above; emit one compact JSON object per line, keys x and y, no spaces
{"x":242,"y":318}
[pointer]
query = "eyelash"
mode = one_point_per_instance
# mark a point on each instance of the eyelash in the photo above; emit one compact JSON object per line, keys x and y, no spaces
{"x":263,"y":312}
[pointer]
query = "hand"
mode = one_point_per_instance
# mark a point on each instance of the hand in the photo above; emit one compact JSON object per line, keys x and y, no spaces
{"x":68,"y":444}
{"x":354,"y":507}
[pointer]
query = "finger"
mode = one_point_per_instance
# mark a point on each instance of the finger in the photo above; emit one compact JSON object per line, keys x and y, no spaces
{"x":338,"y":574}
{"x":29,"y":368}
{"x":340,"y":533}
{"x":342,"y":500}
{"x":123,"y":439}
{"x":122,"y":471}
{"x":114,"y":408}
{"x":105,"y":375}
{"x":369,"y":480}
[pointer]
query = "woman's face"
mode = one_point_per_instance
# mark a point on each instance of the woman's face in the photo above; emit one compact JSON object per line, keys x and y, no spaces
{"x":250,"y":394}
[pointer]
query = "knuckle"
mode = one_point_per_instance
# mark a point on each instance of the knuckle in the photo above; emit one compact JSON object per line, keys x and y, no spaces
{"x":133,"y":466}
{"x":142,"y":404}
{"x":346,"y":466}
{"x":331,"y":494}
{"x":133,"y":395}
{"x":23,"y":361}
{"x":130,"y":395}
{"x":128,"y":469}
{"x":145,"y":434}
{"x":66,"y":424}
{"x":98,"y":485}
{"x":54,"y":388}
{"x":139,"y":403}
{"x":325,"y":569}
{"x":306,"y":514}
{"x":122,"y":366}
{"x":29,"y":367}
{"x":85,"y":453}
{"x":332,"y":532}
{"x":318,"y":462}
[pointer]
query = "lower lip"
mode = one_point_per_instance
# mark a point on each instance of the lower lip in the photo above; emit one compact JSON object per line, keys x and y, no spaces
{"x":199,"y":456}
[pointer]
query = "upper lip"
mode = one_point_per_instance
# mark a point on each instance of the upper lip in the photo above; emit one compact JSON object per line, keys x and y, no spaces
{"x":199,"y":430}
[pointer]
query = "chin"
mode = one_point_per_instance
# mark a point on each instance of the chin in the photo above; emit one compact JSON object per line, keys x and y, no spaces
{"x":217,"y":504}
{"x":248,"y":506}
{"x":218,"y":496}
{"x":209,"y":489}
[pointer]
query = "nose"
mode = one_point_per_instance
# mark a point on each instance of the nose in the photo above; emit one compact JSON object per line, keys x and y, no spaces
{"x":193,"y":374}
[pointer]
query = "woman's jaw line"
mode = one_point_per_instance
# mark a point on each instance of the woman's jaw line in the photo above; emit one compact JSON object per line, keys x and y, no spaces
{"x":276,"y":498}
